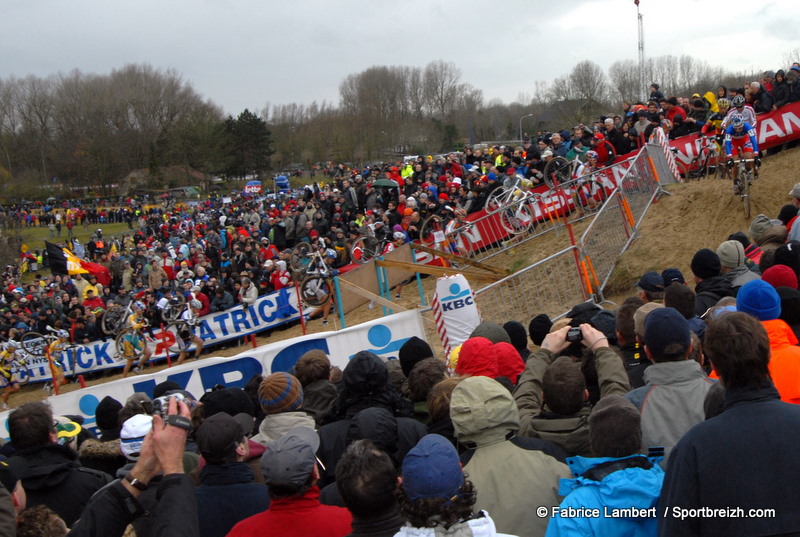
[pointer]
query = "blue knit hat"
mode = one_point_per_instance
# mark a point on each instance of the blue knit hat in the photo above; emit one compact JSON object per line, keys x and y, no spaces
{"x":759,"y":299}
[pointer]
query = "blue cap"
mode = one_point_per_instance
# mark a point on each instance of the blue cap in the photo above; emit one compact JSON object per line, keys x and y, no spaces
{"x":432,"y":469}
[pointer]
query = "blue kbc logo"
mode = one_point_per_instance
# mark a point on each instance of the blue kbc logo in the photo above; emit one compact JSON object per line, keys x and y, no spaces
{"x":457,"y":299}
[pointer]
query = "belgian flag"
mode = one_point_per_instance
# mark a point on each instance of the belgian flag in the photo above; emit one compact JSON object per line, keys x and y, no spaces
{"x":62,"y":261}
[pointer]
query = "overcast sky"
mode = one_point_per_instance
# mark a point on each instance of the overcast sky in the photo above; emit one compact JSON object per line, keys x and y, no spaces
{"x":247,"y":53}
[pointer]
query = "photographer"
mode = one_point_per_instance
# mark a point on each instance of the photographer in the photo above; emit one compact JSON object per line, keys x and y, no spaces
{"x":551,"y":393}
{"x":115,"y":506}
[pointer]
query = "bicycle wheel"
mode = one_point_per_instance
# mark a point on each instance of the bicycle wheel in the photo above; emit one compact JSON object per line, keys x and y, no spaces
{"x":316,"y":290}
{"x":496,"y":199}
{"x":111,"y":321}
{"x":590,"y":196}
{"x":130,"y":344}
{"x":516,"y":220}
{"x":300,"y":255}
{"x":172,"y":312}
{"x":364,"y":249}
{"x":556,"y":172}
{"x":177,"y":333}
{"x":34,"y":343}
{"x":432,"y":226}
{"x":20,"y":371}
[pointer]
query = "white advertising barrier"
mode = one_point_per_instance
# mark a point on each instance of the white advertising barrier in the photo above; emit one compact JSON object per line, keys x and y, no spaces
{"x":383,"y":336}
{"x":455,"y":311}
{"x":268,"y":311}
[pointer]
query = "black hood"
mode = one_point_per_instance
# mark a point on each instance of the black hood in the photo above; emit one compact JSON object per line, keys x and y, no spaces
{"x":44,"y":466}
{"x":377,"y":425}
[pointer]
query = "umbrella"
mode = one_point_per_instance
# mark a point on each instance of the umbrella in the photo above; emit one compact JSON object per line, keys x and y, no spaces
{"x":385,"y":182}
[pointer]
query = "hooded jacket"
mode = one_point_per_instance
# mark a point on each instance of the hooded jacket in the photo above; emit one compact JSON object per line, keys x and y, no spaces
{"x":739,"y":276}
{"x":709,"y":291}
{"x":671,"y":403}
{"x":366,"y":385}
{"x":784,"y":364}
{"x":52,"y":476}
{"x":273,"y":426}
{"x":503,"y":471}
{"x":569,"y":432}
{"x":104,"y":456}
{"x":630,"y":487}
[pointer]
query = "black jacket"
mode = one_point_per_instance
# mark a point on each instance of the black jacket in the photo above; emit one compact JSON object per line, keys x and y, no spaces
{"x":709,"y":292}
{"x":113,"y":508}
{"x":52,"y":476}
{"x":746,"y":457}
{"x":227,"y":495}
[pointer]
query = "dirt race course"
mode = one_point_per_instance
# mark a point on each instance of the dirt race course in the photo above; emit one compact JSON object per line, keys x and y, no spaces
{"x":699,"y":214}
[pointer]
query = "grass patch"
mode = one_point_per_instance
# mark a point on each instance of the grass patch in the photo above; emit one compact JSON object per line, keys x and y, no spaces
{"x":34,"y":237}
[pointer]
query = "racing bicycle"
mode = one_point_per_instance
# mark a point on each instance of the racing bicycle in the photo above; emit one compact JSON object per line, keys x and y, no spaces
{"x":316,"y":287}
{"x":743,"y":179}
{"x":130,"y":343}
{"x":367,"y":247}
{"x":37,"y":344}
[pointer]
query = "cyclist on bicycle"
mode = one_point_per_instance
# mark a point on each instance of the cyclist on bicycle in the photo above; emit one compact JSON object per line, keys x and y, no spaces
{"x":191,"y":316}
{"x":7,"y":379}
{"x":132,"y":342}
{"x":587,"y":188}
{"x":741,"y":137}
{"x":55,"y":354}
{"x":738,"y":107}
{"x":591,"y":164}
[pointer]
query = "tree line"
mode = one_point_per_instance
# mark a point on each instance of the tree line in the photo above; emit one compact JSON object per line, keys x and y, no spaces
{"x":89,"y":130}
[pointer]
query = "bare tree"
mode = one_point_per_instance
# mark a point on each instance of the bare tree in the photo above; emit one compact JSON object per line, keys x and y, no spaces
{"x":624,"y":76}
{"x":589,"y":82}
{"x":441,"y":84}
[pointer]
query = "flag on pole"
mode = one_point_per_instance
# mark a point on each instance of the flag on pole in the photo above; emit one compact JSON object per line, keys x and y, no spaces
{"x":62,"y":261}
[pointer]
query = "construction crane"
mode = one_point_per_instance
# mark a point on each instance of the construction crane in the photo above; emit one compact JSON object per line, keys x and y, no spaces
{"x":642,"y":86}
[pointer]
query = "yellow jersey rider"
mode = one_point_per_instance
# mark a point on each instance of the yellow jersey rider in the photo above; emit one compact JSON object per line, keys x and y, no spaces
{"x":133,"y":342}
{"x":7,"y":379}
{"x":54,"y":356}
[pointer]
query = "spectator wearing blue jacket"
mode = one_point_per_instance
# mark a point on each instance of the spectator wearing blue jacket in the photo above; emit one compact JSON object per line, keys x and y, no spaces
{"x":616,"y":491}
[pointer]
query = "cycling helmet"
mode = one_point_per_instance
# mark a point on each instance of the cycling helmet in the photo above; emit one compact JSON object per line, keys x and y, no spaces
{"x":737,"y":121}
{"x":723,"y":103}
{"x":737,"y":101}
{"x":330,"y":252}
{"x":592,"y":154}
{"x":196,"y":304}
{"x":399,"y":235}
{"x":63,"y":334}
{"x":138,"y":305}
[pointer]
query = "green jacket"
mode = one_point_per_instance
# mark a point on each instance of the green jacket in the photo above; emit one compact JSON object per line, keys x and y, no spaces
{"x":570,"y":432}
{"x":504,"y":469}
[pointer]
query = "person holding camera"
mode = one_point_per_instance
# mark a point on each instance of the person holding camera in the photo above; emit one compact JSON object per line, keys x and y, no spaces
{"x":551,"y":393}
{"x":115,"y":506}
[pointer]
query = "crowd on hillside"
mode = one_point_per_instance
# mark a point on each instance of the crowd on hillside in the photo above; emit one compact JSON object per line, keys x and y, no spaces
{"x":674,"y":414}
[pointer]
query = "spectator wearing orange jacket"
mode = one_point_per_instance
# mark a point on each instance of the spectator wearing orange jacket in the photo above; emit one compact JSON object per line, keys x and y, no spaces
{"x":761,"y":300}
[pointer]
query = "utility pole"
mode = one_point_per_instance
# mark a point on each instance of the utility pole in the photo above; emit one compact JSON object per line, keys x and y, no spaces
{"x":642,"y":86}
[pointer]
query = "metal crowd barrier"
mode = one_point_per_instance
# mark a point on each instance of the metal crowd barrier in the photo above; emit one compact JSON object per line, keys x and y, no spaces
{"x":579,"y":273}
{"x":552,"y":286}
